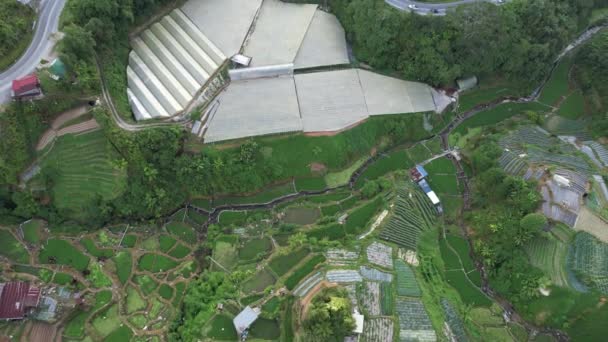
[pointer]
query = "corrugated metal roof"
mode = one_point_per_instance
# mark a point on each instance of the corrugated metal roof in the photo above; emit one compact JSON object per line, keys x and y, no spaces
{"x":16,"y":297}
{"x":25,"y":84}
{"x":244,"y":319}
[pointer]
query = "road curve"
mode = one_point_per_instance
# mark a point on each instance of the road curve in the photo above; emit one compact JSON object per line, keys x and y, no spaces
{"x":47,"y":24}
{"x":427,"y":8}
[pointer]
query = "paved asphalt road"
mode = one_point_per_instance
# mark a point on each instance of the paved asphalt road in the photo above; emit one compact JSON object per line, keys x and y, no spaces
{"x":48,"y":21}
{"x":426,"y":8}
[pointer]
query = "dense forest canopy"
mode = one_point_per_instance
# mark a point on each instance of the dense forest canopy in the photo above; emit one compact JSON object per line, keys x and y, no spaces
{"x":517,"y":40}
{"x":16,"y":22}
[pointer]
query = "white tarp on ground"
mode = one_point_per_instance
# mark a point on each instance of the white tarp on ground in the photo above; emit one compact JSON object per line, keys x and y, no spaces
{"x":330,"y":101}
{"x":255,"y":107}
{"x":224,"y":22}
{"x":324,"y":43}
{"x":387,"y":95}
{"x":279,"y":32}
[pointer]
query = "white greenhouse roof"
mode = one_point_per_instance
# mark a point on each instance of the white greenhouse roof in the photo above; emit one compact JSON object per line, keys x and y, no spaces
{"x":433,"y":197}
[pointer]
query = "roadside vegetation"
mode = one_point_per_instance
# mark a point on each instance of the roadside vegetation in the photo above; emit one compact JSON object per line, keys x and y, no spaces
{"x":15,"y":32}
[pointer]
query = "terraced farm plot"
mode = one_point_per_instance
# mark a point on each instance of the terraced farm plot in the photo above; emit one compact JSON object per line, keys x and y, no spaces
{"x":281,"y":264}
{"x":11,"y":248}
{"x":92,"y":249}
{"x":589,"y":260}
{"x":550,"y":255}
{"x":222,"y":329}
{"x":166,"y":242}
{"x":498,"y":114}
{"x":380,"y":254}
{"x":62,"y":252}
{"x":375,"y":275}
{"x":412,"y":214}
{"x":76,"y":324}
{"x":452,"y":319}
{"x":107,"y":321}
{"x":182,"y":231}
{"x":156,"y":263}
{"x":558,"y":84}
{"x":419,"y":153}
{"x":146,"y":283}
{"x":260,"y":281}
{"x":254,"y":248}
{"x":407,"y":285}
{"x":134,"y":301}
{"x":468,"y":292}
{"x":359,"y":218}
{"x":592,"y":224}
{"x":301,"y":215}
{"x":387,"y":299}
{"x":83,"y":170}
{"x":370,"y":298}
{"x":573,"y":106}
{"x":225,"y":254}
{"x":330,"y":232}
{"x":393,"y":161}
{"x":414,"y":322}
{"x":32,"y":231}
{"x":444,"y":184}
{"x":265,"y":329}
{"x":123,"y":263}
{"x":302,"y":271}
{"x":180,"y":251}
{"x":378,"y":330}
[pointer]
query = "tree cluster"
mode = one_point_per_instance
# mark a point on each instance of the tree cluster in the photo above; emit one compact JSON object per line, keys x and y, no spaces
{"x":329,"y":317}
{"x":592,"y":74}
{"x":16,"y":20}
{"x":517,"y":40}
{"x":504,"y":220}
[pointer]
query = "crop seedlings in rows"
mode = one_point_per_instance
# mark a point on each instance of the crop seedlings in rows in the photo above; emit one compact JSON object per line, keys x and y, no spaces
{"x":370,"y":297}
{"x":414,"y":322}
{"x":375,"y":275}
{"x":380,"y":254}
{"x":344,"y":276}
{"x":307,"y":284}
{"x":341,"y":256}
{"x":453,"y":321}
{"x":378,"y":329}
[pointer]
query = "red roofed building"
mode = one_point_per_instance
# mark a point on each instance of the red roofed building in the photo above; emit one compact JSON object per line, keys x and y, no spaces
{"x":27,"y":86}
{"x":16,"y":299}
